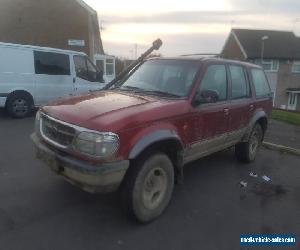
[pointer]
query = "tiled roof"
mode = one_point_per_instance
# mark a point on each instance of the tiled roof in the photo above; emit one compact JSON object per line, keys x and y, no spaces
{"x":279,"y":45}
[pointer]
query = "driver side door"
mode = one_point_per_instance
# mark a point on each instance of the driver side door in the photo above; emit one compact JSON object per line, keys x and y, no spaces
{"x":211,"y":121}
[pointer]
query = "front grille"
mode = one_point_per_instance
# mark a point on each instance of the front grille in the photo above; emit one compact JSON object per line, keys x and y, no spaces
{"x":57,"y":132}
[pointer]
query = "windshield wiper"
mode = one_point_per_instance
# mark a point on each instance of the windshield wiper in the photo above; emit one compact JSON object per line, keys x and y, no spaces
{"x":149,"y":91}
{"x":135,"y":89}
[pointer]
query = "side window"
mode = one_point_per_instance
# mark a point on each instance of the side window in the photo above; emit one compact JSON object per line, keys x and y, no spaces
{"x":81,"y":67}
{"x":239,"y":85}
{"x":215,"y":80}
{"x":260,"y":82}
{"x":49,"y":63}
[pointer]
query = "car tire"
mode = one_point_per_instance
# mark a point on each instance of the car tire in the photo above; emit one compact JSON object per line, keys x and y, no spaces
{"x":148,"y":187}
{"x":246,"y":151}
{"x":19,"y":105}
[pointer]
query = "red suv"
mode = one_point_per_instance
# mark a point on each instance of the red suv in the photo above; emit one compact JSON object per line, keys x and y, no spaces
{"x":138,"y":135}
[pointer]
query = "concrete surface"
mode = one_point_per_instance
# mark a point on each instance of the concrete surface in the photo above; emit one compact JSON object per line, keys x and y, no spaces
{"x":284,"y":134}
{"x":39,"y":210}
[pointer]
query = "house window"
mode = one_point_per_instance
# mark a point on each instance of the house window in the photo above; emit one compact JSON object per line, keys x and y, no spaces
{"x":110,"y":67}
{"x":268,"y":64}
{"x":296,"y":67}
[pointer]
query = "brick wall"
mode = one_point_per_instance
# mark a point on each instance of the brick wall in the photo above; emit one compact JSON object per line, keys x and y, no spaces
{"x":48,"y":23}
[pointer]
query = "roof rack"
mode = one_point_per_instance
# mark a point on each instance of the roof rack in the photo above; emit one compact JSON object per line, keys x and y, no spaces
{"x":203,"y":54}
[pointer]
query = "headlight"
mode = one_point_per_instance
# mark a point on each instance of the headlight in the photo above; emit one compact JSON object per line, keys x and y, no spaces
{"x":96,"y":144}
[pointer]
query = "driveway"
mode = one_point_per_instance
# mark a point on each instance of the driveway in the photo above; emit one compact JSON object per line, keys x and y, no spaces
{"x":39,"y":210}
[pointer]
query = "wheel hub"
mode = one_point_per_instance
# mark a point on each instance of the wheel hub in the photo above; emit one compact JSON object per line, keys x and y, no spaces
{"x":155,"y":187}
{"x":253,"y":144}
{"x":20,"y":106}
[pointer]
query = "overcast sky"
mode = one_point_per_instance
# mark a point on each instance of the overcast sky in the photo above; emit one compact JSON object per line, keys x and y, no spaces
{"x":187,"y":26}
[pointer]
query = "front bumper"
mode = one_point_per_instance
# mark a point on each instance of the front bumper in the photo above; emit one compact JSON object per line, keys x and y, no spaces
{"x":103,"y":178}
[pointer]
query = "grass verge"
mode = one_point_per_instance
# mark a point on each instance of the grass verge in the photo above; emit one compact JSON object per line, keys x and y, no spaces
{"x":286,"y":116}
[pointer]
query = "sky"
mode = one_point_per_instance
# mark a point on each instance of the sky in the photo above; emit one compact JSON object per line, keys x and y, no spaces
{"x":187,"y":26}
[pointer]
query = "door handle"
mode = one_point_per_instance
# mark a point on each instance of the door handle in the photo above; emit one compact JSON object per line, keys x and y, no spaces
{"x":251,"y":107}
{"x":226,"y":111}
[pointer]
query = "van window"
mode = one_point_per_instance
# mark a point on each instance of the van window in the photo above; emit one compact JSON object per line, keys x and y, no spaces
{"x":49,"y":63}
{"x":239,"y":85}
{"x":260,"y":82}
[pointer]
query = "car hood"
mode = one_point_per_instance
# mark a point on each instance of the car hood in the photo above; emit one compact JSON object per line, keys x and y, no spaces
{"x":100,"y":110}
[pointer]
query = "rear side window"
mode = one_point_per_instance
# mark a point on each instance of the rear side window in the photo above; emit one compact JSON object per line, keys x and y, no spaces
{"x":260,"y":82}
{"x":215,"y":79}
{"x":239,"y":85}
{"x":48,"y":63}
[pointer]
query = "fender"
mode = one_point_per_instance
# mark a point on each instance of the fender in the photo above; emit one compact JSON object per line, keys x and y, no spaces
{"x":258,"y":114}
{"x":151,"y":138}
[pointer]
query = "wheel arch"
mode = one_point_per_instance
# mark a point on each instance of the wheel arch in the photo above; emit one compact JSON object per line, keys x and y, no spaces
{"x":259,"y":117}
{"x":165,"y":141}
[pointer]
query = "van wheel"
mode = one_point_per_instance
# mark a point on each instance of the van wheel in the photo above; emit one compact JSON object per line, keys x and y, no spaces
{"x":19,"y":105}
{"x":246,"y":151}
{"x":148,"y":187}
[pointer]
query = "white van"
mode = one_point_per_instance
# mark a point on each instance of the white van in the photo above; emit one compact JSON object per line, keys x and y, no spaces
{"x":31,"y":76}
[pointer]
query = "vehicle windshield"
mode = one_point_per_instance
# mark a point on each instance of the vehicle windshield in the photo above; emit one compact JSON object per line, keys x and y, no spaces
{"x":172,"y":78}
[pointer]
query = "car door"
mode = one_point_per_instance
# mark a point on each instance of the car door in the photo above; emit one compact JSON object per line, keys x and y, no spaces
{"x":241,"y":104}
{"x":86,"y":78}
{"x":52,"y":76}
{"x":210,"y":124}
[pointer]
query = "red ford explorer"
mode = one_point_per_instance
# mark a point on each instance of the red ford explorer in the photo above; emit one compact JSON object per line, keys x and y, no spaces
{"x":138,"y":135}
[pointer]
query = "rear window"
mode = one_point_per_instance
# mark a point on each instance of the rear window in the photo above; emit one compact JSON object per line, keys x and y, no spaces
{"x":260,"y":82}
{"x":48,"y":63}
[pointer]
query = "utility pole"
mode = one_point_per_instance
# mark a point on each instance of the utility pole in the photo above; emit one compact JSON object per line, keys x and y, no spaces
{"x":101,"y":25}
{"x":263,"y":47}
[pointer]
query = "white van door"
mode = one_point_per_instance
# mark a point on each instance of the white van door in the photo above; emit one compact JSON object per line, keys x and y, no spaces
{"x":52,"y":76}
{"x":16,"y":71}
{"x":86,"y":75}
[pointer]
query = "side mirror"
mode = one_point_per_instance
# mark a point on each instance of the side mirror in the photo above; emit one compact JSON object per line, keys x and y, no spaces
{"x":99,"y":76}
{"x":205,"y":96}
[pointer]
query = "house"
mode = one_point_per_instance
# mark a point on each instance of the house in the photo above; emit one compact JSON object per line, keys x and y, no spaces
{"x":279,"y":54}
{"x":64,"y":24}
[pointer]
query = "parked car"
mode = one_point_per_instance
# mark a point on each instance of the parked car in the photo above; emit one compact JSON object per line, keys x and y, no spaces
{"x":32,"y":76}
{"x":137,"y":136}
